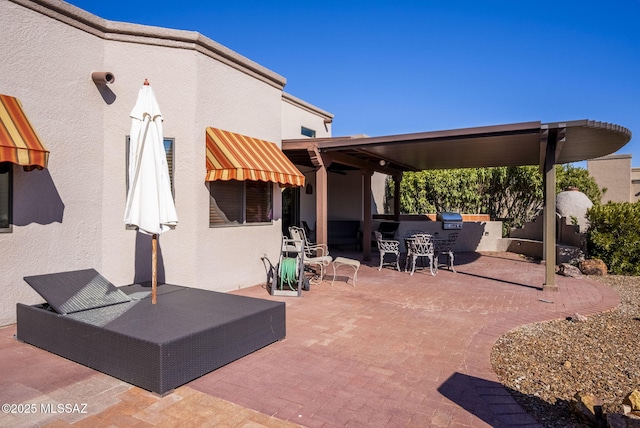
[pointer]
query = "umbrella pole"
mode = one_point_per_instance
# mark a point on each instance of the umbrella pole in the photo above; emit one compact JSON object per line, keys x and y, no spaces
{"x":154,"y":267}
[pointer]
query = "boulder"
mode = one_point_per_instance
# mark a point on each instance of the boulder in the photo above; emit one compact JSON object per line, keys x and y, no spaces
{"x":569,"y":270}
{"x":593,"y":267}
{"x":617,"y":420}
{"x":588,"y":408}
{"x":633,"y":400}
{"x":573,"y":205}
{"x":578,"y":318}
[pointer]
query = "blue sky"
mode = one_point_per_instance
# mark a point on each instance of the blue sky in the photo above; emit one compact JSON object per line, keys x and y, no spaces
{"x":401,"y":66}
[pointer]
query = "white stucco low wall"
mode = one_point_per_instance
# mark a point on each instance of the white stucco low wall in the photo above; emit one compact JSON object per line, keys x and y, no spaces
{"x":474,"y":236}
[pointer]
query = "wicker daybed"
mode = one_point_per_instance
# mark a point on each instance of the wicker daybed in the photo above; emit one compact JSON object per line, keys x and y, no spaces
{"x":188,"y":333}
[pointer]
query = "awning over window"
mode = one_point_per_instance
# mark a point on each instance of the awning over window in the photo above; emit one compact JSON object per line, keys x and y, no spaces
{"x":232,"y":156}
{"x":19,"y":142}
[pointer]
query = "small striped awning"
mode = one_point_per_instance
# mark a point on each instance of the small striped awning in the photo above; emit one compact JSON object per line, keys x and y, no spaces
{"x":232,"y":156}
{"x":19,"y":141}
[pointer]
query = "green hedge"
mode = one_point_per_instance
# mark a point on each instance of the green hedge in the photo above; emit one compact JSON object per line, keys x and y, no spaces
{"x":614,"y":236}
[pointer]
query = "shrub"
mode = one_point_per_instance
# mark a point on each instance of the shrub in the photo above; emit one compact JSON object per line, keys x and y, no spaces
{"x":614,"y":236}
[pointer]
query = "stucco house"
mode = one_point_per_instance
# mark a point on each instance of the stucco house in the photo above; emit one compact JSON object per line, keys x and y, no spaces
{"x":77,"y":77}
{"x":615,"y":174}
{"x":69,"y":215}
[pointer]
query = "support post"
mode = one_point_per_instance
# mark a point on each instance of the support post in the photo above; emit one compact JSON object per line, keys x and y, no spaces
{"x":397,"y":179}
{"x":366,"y":214}
{"x":549,"y":236}
{"x":154,"y":267}
{"x":322,"y":236}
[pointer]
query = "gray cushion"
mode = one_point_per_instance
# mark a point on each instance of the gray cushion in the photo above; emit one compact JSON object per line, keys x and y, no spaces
{"x":75,"y":291}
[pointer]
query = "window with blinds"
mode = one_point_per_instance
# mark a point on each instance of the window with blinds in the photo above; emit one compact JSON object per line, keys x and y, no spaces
{"x":168,"y":149}
{"x":239,"y":202}
{"x":169,"y":144}
{"x":6,"y":175}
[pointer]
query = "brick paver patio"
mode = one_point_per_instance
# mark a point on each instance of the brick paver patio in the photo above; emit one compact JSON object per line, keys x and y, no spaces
{"x":394,"y":351}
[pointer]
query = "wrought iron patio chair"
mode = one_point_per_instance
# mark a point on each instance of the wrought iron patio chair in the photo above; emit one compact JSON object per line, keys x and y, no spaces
{"x":407,"y":237}
{"x":445,"y":246}
{"x":420,"y":246}
{"x":388,"y":246}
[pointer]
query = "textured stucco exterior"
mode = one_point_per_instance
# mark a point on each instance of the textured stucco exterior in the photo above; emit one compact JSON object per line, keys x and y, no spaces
{"x":70,"y":215}
{"x":613,"y":172}
{"x":635,"y":184}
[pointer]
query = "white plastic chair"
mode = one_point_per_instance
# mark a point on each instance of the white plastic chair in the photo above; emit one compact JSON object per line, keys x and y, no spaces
{"x":311,"y":259}
{"x":311,"y":249}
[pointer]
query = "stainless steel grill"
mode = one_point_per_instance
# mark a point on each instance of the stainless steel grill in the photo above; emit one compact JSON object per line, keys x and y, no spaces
{"x":450,"y":220}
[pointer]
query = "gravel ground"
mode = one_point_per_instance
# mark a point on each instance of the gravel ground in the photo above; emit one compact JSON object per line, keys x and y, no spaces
{"x":544,"y":365}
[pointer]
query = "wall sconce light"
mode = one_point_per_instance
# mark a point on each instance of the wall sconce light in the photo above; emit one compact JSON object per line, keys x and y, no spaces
{"x":309,"y":189}
{"x":103,"y":77}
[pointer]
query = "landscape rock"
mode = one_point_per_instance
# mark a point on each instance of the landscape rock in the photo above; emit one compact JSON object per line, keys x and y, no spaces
{"x":602,"y":349}
{"x":633,"y":400}
{"x":593,"y":267}
{"x":617,"y":420}
{"x":569,"y":270}
{"x":587,"y":407}
{"x":578,"y":318}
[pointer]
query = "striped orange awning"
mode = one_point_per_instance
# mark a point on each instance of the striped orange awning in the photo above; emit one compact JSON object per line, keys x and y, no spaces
{"x":19,"y":141}
{"x":232,"y":156}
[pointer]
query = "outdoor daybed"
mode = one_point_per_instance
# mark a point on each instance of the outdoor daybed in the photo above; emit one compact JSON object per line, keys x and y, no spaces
{"x":188,"y":333}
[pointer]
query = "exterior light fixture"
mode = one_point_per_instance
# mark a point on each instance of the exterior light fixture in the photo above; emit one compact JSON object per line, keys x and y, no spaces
{"x":103,"y":77}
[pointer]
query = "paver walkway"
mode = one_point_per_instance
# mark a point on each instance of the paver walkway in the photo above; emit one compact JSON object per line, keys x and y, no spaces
{"x":395,"y":351}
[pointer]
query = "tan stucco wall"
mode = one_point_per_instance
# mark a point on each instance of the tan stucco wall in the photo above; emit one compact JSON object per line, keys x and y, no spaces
{"x":57,"y":212}
{"x":378,"y":187}
{"x":613,"y":173}
{"x":296,"y":113}
{"x":344,"y":199}
{"x":635,"y":184}
{"x":70,"y":216}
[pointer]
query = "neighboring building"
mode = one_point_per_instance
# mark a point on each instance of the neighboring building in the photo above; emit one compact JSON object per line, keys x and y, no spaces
{"x":70,"y":215}
{"x":615,"y":174}
{"x":635,"y":184}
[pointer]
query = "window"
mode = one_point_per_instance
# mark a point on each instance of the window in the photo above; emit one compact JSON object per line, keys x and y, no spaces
{"x":169,"y":144}
{"x":308,"y":132}
{"x":168,"y":149}
{"x":239,"y":202}
{"x":6,"y":177}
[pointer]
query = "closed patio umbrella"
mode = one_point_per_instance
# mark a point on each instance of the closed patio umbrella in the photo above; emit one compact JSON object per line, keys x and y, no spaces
{"x":149,"y":205}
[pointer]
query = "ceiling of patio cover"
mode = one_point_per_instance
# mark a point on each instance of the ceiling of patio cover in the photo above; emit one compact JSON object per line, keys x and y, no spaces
{"x":232,"y":156}
{"x":19,"y":142}
{"x":500,"y":145}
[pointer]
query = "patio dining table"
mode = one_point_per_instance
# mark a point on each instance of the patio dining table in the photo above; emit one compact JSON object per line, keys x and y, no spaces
{"x":441,"y":245}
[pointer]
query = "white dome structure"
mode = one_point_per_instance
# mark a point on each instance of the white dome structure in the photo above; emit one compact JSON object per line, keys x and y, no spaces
{"x":572,"y":203}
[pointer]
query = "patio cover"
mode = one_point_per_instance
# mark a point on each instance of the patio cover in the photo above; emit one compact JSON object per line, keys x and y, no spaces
{"x":515,"y":144}
{"x":518,"y":144}
{"x":232,"y":156}
{"x":19,"y":142}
